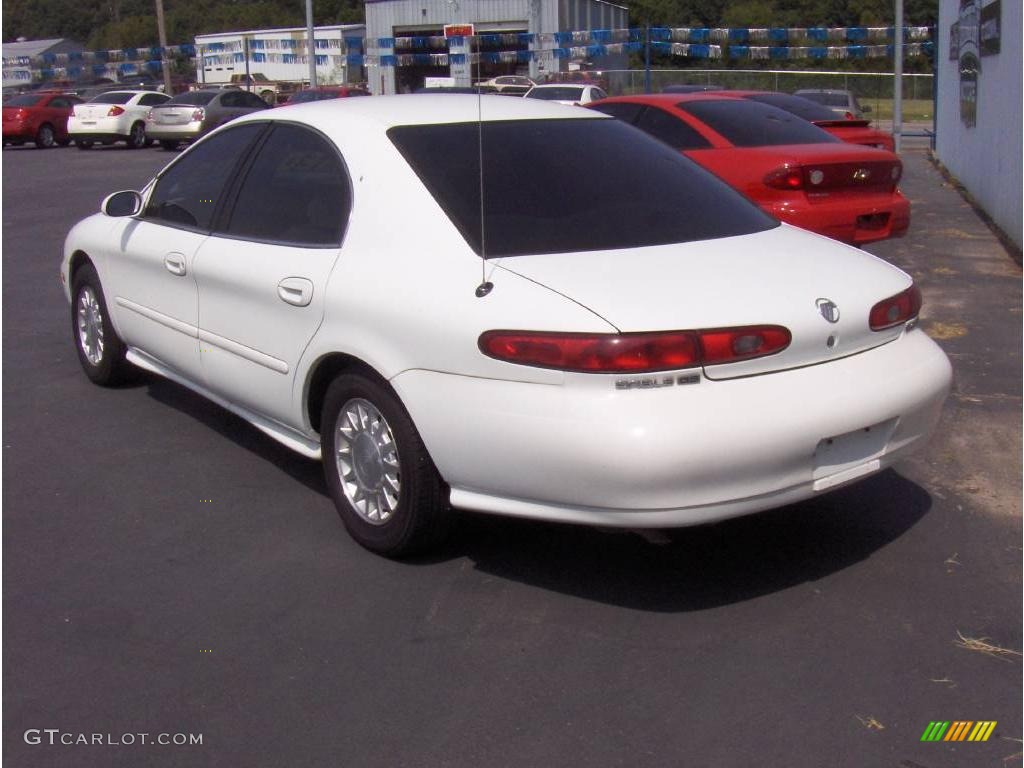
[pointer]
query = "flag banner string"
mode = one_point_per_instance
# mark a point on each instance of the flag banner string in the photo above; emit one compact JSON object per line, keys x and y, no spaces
{"x":768,"y":43}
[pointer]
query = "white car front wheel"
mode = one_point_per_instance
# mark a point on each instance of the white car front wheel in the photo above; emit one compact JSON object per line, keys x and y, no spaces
{"x":100,"y":351}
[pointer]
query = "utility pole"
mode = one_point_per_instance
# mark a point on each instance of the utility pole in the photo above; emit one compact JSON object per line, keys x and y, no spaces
{"x":311,"y":44}
{"x":897,"y":92}
{"x":162,"y":32}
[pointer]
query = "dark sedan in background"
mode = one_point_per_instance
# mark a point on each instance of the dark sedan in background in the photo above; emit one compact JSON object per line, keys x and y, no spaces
{"x":325,"y":92}
{"x":190,"y":115}
{"x":852,"y":130}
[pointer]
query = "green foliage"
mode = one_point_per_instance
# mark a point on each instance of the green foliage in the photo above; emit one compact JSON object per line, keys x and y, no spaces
{"x":749,"y":13}
{"x":102,"y":24}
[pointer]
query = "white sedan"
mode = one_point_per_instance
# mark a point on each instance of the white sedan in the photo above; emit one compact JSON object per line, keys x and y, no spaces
{"x":114,"y":116}
{"x":567,"y":93}
{"x":593,"y":330}
{"x":510,"y":84}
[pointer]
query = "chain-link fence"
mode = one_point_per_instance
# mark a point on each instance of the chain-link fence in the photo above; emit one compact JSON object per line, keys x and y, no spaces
{"x":873,"y":89}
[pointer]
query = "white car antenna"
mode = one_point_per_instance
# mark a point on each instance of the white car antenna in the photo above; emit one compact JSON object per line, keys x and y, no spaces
{"x":485,"y":286}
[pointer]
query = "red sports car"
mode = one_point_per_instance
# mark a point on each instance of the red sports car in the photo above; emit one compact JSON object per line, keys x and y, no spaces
{"x":850,"y":129}
{"x":38,"y":117}
{"x":794,"y":170}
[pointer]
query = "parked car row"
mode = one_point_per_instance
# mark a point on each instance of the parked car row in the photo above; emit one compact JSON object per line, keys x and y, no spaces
{"x":791,"y":156}
{"x":137,"y":117}
{"x":633,"y":343}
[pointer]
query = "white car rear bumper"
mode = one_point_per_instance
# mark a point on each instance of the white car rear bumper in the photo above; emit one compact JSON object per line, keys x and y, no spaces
{"x":102,"y":126}
{"x":585,"y":452}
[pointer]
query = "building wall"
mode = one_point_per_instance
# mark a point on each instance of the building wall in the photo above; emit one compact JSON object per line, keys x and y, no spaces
{"x":396,"y":18}
{"x":588,"y":14}
{"x":17,"y":75}
{"x":985,"y":158}
{"x":216,"y":69}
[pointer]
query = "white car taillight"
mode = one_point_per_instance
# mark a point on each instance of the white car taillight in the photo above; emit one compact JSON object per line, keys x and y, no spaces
{"x":896,"y":309}
{"x":198,"y":114}
{"x":634,"y":352}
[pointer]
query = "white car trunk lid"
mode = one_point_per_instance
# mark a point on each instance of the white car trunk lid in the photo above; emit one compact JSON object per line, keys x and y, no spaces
{"x":92,"y":111}
{"x":820,"y":290}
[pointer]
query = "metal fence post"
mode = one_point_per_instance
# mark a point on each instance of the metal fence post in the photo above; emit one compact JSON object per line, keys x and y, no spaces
{"x":647,"y":58}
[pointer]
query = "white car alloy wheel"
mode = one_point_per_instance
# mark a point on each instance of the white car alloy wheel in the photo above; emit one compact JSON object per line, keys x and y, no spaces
{"x":382,"y":480}
{"x":90,"y":326}
{"x":137,"y":137}
{"x":100,"y":351}
{"x":367,"y":461}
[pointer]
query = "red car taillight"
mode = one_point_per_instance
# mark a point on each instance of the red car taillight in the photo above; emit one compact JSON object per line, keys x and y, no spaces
{"x":896,"y":309}
{"x":789,"y":177}
{"x":115,"y":111}
{"x":633,"y":352}
{"x":198,"y":114}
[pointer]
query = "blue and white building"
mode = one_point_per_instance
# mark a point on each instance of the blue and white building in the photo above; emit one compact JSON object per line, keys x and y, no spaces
{"x":407,"y":41}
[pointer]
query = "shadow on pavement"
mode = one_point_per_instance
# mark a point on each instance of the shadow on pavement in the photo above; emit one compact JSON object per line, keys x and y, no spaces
{"x":235,"y":429}
{"x":704,"y":566}
{"x":688,"y":569}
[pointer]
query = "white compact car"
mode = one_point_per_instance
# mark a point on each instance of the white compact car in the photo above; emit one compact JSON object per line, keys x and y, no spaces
{"x":114,"y":116}
{"x":655,"y":352}
{"x":515,"y":85}
{"x":567,"y":93}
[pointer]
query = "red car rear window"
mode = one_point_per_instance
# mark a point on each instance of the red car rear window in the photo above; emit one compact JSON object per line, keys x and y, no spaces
{"x":25,"y":100}
{"x":746,"y":123}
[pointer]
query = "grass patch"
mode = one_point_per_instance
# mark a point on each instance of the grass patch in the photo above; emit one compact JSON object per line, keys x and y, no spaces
{"x":913,"y":109}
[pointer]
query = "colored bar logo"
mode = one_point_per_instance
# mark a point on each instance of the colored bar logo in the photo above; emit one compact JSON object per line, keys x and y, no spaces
{"x":958,"y":730}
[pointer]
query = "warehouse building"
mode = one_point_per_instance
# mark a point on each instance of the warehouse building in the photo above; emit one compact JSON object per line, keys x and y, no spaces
{"x":18,"y":58}
{"x":409,"y":41}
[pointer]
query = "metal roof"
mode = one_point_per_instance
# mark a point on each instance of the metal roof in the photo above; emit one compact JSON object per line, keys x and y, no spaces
{"x":35,"y":47}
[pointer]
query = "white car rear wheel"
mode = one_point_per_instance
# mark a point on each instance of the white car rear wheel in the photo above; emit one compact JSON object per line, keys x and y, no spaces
{"x":137,"y":136}
{"x":383,"y":482}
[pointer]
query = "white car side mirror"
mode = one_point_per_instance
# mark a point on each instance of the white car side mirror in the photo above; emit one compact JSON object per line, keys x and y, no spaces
{"x":126,"y":203}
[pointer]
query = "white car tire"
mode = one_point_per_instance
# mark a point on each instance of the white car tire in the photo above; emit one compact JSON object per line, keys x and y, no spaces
{"x":384,"y":484}
{"x":100,"y":351}
{"x":137,"y":136}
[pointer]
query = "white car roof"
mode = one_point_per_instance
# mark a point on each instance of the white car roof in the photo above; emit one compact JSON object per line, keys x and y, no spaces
{"x":383,"y":112}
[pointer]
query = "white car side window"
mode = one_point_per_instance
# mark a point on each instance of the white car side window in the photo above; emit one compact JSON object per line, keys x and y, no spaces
{"x":189,"y":192}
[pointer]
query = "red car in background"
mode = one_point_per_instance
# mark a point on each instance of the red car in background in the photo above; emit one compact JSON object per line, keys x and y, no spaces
{"x":324,"y":92}
{"x":41,"y":118}
{"x":794,"y":170}
{"x":852,"y":130}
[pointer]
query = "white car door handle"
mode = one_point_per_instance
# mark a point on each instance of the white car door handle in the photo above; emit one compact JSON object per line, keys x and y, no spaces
{"x":175,"y":263}
{"x":296,"y":290}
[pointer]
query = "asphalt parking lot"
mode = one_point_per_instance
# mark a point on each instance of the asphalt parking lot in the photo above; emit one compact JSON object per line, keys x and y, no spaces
{"x":170,"y":570}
